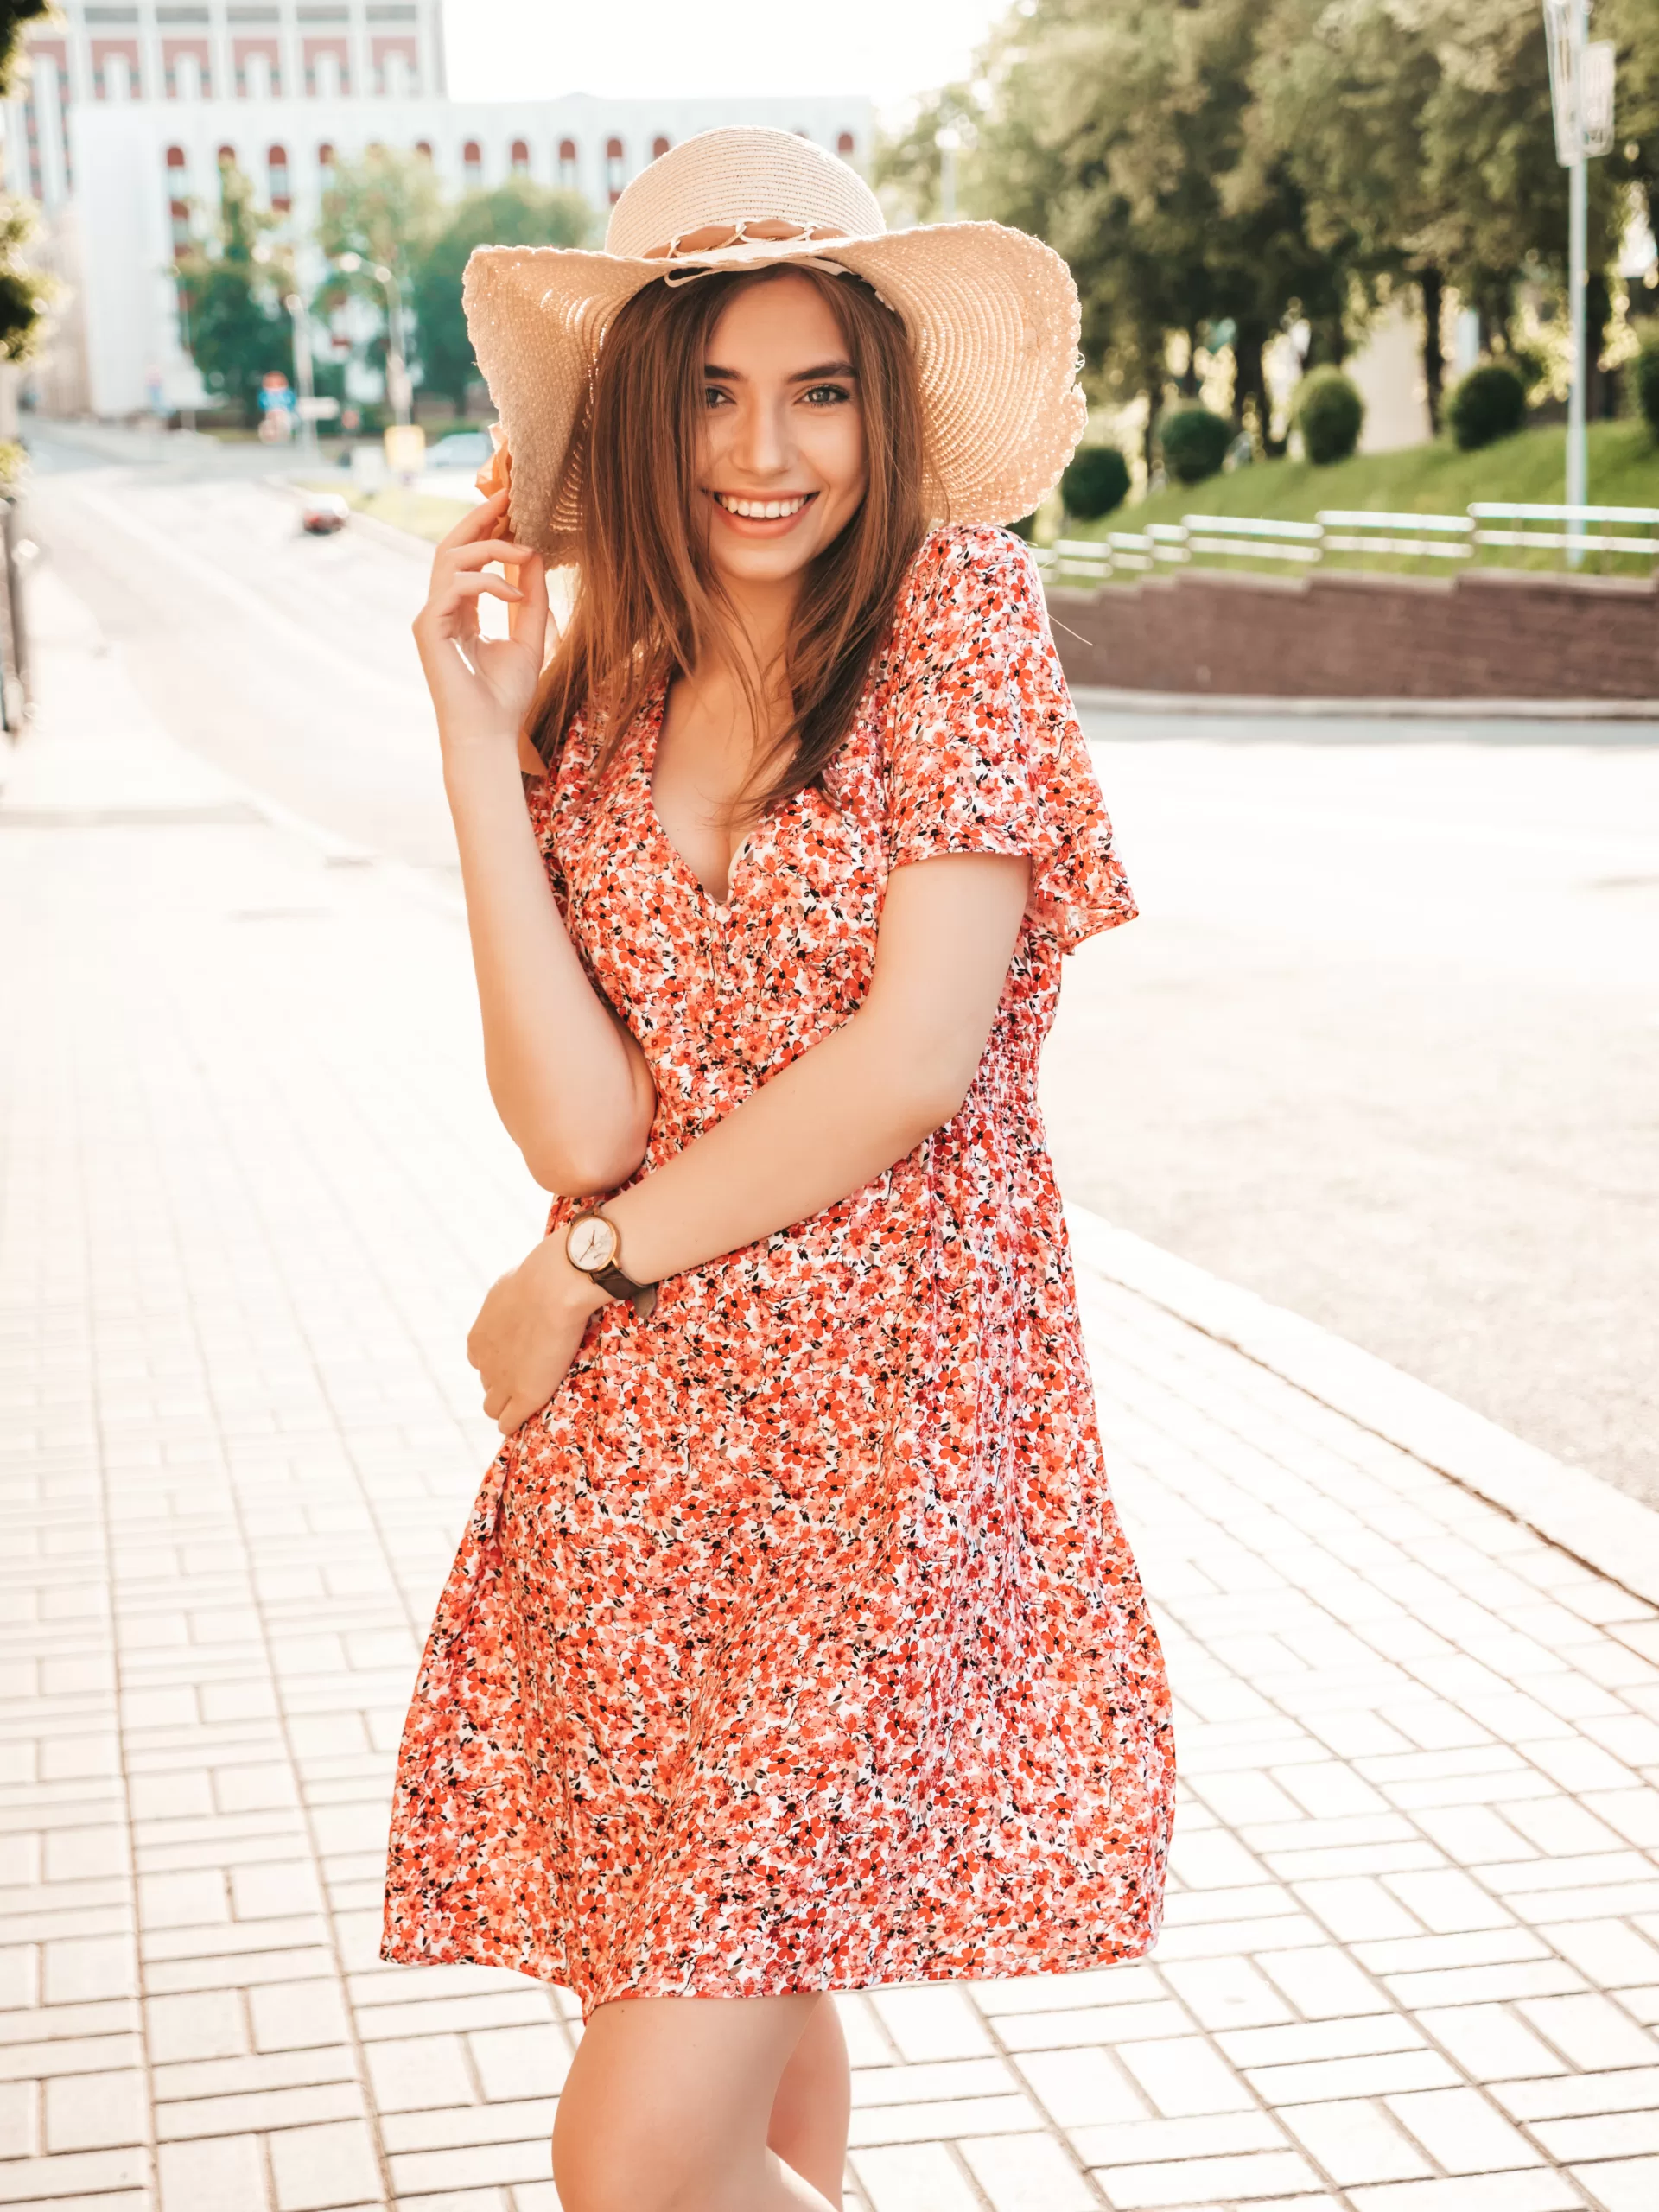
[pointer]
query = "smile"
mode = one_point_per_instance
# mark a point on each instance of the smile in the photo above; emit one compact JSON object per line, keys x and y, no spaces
{"x":762,"y":510}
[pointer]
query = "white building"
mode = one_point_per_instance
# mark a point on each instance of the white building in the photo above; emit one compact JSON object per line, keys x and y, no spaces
{"x":119,"y":126}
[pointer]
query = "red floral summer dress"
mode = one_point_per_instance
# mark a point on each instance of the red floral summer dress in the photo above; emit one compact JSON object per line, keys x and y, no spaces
{"x":795,"y":1645}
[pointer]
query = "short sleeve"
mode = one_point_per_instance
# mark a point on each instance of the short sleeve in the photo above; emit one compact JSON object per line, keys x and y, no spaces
{"x":984,"y":750}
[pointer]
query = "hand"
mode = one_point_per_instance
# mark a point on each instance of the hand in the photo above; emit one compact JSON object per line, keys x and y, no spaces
{"x":482,"y":687}
{"x":528,"y":1331}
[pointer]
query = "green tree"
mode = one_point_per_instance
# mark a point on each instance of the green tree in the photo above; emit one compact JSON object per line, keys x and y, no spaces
{"x":517,"y":212}
{"x":24,"y":293}
{"x":1423,"y":135}
{"x":1121,"y":134}
{"x":386,"y":209}
{"x":232,"y":317}
{"x":908,"y":164}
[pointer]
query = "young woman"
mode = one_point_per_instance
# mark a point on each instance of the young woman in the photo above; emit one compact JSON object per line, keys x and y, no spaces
{"x":793,"y":1645}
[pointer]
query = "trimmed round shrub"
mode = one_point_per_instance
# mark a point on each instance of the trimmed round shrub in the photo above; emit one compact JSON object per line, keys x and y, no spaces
{"x":1644,"y":372}
{"x":1488,"y":403}
{"x":1330,"y":414}
{"x":1025,"y":526}
{"x":1529,"y":364}
{"x":1096,"y":481}
{"x":1195,"y":443}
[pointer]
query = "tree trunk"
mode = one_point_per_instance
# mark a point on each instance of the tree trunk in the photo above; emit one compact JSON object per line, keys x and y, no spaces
{"x":1600,"y":390}
{"x":1250,"y":394}
{"x":1432,"y":286}
{"x":1187,"y":383}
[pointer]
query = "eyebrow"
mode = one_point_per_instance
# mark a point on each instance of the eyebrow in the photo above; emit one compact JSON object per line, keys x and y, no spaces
{"x":716,"y":375}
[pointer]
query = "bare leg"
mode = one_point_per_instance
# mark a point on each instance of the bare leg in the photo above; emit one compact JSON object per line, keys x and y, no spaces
{"x":668,"y":2103}
{"x":808,"y":2114}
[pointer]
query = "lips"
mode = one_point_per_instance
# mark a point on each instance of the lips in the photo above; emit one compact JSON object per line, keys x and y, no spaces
{"x":756,"y":510}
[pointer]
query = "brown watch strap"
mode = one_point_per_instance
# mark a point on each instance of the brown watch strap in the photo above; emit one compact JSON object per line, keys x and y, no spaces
{"x":642,"y":1296}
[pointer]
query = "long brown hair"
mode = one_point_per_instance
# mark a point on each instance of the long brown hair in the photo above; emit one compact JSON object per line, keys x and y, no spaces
{"x":648,"y":603}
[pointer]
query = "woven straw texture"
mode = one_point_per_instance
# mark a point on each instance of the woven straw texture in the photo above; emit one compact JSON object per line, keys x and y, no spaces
{"x":991,"y":312}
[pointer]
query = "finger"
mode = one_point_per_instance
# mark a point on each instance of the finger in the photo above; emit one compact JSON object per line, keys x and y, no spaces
{"x":488,"y":548}
{"x":474,"y":588}
{"x":516,"y":1413}
{"x":496,"y":1399}
{"x":474,"y":522}
{"x":527,"y":622}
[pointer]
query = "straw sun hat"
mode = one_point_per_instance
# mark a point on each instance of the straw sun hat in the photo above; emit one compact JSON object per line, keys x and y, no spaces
{"x":991,"y":314}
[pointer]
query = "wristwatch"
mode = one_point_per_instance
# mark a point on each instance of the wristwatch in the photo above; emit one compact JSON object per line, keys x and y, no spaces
{"x":592,"y":1243}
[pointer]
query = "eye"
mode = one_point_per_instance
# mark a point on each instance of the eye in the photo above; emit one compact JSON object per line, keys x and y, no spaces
{"x":827,"y":395}
{"x":714,"y":396}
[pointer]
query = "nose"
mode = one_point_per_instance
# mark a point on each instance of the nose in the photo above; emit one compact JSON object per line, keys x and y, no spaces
{"x":763,"y":447}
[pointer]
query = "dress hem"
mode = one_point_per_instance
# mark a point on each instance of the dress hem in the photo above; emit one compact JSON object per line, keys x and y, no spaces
{"x":710,"y":1982}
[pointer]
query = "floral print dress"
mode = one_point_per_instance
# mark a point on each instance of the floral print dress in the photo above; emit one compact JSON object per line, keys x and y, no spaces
{"x":795,"y":1644}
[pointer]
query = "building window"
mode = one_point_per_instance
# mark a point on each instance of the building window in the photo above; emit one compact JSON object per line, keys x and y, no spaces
{"x":472,"y":165}
{"x":570,"y":173}
{"x":226,"y":159}
{"x":276,"y":172}
{"x":615,"y":175}
{"x":326,"y":163}
{"x":423,"y":148}
{"x":178,"y":198}
{"x":520,"y":158}
{"x":658,"y":147}
{"x":846,"y":145}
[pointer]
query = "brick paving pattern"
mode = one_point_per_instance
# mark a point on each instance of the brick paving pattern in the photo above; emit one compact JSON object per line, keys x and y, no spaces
{"x":253,"y":1190}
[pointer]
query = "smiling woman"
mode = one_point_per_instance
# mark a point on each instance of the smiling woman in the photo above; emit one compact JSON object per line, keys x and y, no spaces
{"x":794,"y":1645}
{"x":778,"y":381}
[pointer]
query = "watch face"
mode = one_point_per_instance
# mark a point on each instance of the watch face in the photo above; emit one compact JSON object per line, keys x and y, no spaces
{"x":591,"y":1243}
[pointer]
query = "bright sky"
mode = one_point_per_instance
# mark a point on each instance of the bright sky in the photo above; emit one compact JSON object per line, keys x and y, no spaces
{"x":499,"y":49}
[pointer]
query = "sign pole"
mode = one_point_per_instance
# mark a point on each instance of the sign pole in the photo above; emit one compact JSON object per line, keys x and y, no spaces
{"x":1578,"y":204}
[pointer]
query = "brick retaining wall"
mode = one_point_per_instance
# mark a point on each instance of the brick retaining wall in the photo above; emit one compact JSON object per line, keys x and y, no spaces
{"x":1487,"y":634}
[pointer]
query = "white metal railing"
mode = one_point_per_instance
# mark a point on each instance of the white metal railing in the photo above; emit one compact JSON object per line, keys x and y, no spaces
{"x":1355,"y":530}
{"x":1487,"y":512}
{"x":1250,"y":535}
{"x":1487,"y":522}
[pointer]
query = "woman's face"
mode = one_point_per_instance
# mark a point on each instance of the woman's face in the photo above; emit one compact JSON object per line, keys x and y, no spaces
{"x":780,"y":462}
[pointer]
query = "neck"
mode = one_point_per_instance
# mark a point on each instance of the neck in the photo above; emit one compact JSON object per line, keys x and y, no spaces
{"x":763,"y":612}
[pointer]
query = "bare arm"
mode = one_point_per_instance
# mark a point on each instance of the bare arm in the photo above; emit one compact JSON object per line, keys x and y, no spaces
{"x":570,"y":1085}
{"x":830,"y":1122}
{"x":862,"y":1097}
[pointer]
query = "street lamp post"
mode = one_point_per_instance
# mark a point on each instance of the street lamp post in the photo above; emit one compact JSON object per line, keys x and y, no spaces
{"x":398,"y":387}
{"x":1581,"y":97}
{"x":302,"y":380}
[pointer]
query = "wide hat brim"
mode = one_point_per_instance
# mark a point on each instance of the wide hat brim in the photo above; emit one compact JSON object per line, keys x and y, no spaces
{"x":991,"y":314}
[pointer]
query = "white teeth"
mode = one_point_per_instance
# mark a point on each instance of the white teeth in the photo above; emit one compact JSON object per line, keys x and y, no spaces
{"x":761,"y":510}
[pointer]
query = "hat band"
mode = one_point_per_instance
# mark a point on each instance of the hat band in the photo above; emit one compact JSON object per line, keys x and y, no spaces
{"x":718,"y":238}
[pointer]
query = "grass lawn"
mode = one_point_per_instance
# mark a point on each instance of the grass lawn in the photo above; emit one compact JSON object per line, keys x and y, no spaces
{"x":1436,"y":479}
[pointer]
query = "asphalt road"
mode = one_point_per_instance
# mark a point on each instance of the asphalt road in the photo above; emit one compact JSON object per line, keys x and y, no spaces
{"x":1383,"y":1046}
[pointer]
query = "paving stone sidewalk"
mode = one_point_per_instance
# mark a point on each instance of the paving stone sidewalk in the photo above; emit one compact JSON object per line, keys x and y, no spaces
{"x":253,"y":1190}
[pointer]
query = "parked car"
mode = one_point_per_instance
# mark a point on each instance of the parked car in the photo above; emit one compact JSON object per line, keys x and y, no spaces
{"x":461,"y":449}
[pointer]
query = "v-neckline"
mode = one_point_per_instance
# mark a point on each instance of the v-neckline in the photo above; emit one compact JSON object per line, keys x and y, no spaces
{"x":656,"y":715}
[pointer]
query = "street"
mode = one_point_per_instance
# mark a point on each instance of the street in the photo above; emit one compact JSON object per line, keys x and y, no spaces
{"x":1384,"y":1045}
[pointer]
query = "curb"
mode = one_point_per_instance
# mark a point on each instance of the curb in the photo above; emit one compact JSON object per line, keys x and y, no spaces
{"x":1575,"y":1511}
{"x":1102,"y":699}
